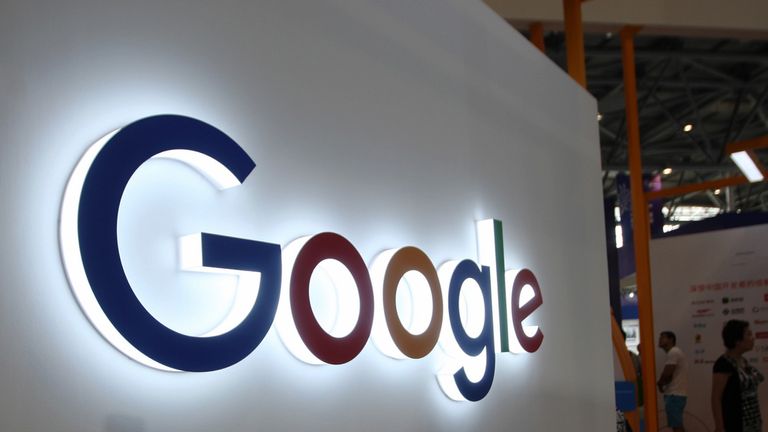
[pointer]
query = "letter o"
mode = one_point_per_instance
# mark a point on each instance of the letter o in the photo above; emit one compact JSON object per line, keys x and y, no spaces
{"x":405,"y":260}
{"x":324,"y":346}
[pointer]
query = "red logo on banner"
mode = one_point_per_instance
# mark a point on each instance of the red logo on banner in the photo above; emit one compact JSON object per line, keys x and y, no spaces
{"x":761,"y":335}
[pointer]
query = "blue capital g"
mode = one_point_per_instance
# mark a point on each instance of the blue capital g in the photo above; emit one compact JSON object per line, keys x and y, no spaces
{"x":91,"y":258}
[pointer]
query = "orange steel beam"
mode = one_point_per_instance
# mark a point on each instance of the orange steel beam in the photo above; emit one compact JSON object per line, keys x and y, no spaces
{"x":750,"y":144}
{"x":696,"y":187}
{"x":574,"y":41}
{"x":627,"y":367}
{"x":746,"y":145}
{"x":537,"y":36}
{"x":641,"y":229}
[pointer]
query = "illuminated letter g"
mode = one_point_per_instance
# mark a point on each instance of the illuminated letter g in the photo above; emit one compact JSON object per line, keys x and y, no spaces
{"x":92,"y":260}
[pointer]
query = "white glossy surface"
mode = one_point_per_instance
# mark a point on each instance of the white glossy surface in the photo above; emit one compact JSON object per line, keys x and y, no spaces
{"x":392,"y":123}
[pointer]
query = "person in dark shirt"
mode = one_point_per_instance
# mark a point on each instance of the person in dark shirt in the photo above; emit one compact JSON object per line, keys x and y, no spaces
{"x":734,"y":383}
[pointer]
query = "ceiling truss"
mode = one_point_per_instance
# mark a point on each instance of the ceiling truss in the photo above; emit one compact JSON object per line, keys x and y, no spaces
{"x":718,"y":86}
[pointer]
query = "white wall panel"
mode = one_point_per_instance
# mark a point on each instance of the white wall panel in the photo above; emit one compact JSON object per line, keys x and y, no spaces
{"x":700,"y":281}
{"x":391,"y":123}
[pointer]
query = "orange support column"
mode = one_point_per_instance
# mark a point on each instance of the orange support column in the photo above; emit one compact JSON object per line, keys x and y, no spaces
{"x":641,"y":230}
{"x":536,"y":31}
{"x":627,"y":367}
{"x":574,"y":41}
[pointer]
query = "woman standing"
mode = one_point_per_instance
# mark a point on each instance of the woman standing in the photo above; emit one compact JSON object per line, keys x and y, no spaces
{"x":734,"y":383}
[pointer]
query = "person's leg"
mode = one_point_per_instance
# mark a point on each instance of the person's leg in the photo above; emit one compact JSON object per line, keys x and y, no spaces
{"x":675,"y":406}
{"x":683,"y":402}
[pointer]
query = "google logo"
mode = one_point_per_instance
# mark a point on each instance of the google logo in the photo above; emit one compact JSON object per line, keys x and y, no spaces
{"x":473,"y":310}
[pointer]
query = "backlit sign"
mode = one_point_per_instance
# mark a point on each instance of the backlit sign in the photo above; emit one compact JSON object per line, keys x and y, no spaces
{"x":275,"y":281}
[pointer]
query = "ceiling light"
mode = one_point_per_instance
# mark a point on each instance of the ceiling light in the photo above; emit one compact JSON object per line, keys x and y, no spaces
{"x":717,"y":191}
{"x":631,"y":295}
{"x":688,"y":127}
{"x":599,"y":116}
{"x":667,"y":171}
{"x":747,"y":166}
